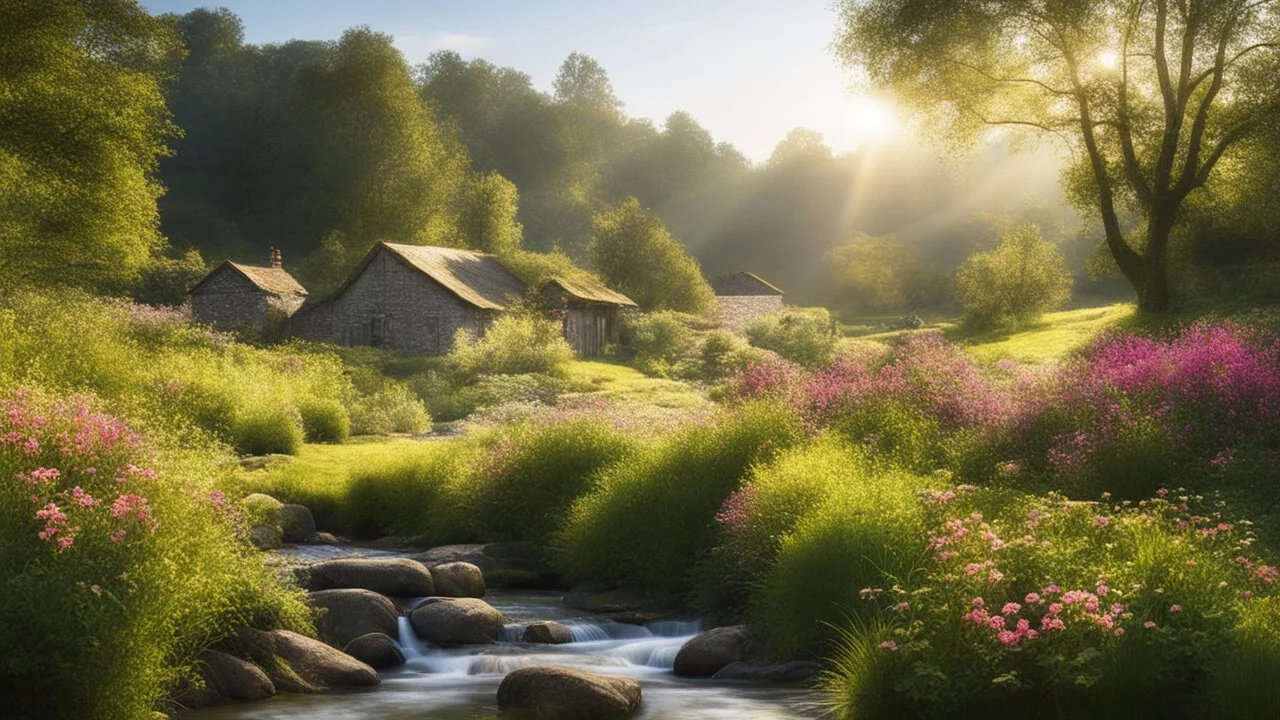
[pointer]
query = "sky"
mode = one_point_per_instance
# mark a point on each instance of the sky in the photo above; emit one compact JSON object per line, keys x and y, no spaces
{"x":748,"y":70}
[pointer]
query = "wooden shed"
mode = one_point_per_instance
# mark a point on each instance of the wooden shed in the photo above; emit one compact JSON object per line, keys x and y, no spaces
{"x":237,"y":296}
{"x":589,"y":311}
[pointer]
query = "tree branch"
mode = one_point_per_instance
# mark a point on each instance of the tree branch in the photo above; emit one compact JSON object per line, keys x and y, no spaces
{"x":993,"y":78}
{"x":1124,"y":126}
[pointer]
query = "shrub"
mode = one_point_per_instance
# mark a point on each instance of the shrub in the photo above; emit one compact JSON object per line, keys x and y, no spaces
{"x":649,"y":517}
{"x":324,"y":420}
{"x":723,"y":354}
{"x":633,"y":252}
{"x":392,"y":409}
{"x":516,"y":343}
{"x":659,"y":342}
{"x":525,"y":484}
{"x":1024,"y":277}
{"x":494,"y":390}
{"x":1040,"y":606}
{"x":120,"y":564}
{"x":421,"y":494}
{"x":267,"y":428}
{"x":805,"y":336}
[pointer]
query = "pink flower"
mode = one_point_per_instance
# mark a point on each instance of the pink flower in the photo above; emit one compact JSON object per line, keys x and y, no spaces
{"x":1102,"y":590}
{"x":1010,"y":608}
{"x":84,"y":498}
{"x":117,"y":536}
{"x":977,"y":602}
{"x":1032,"y":599}
{"x":1149,"y":625}
{"x":1175,"y":608}
{"x":1008,"y":637}
{"x":1101,"y":521}
{"x":1119,"y":632}
{"x":65,"y":542}
{"x":888,"y":645}
{"x":1051,"y":589}
{"x":901,"y":607}
{"x":134,"y":505}
{"x":1055,"y":609}
{"x":1049,"y":622}
{"x":996,"y":622}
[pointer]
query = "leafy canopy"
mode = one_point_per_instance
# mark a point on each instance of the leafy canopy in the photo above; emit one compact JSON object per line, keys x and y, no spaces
{"x":633,"y":252}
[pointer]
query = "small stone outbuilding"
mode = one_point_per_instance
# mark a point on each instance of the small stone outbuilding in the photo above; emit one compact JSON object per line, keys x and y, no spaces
{"x":589,"y":312}
{"x":235,"y":296}
{"x":412,"y":298}
{"x":743,"y":297}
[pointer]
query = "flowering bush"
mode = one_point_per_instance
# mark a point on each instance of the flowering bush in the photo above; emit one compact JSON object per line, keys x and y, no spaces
{"x":1048,"y":606}
{"x":119,"y":564}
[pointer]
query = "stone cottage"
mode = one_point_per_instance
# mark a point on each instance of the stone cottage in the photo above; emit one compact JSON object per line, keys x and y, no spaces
{"x":236,"y":296}
{"x":589,"y":312}
{"x":743,"y":297}
{"x":412,"y":298}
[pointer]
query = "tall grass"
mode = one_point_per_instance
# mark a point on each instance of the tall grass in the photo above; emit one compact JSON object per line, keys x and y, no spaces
{"x":649,"y":517}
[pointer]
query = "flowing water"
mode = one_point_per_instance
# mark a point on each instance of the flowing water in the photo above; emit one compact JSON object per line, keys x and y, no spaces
{"x":453,"y":684}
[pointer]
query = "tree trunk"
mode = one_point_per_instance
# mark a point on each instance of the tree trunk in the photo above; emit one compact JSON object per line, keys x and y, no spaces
{"x":1153,"y":296}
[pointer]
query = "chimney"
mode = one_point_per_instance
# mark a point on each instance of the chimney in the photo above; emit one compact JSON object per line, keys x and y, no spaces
{"x":273,"y":258}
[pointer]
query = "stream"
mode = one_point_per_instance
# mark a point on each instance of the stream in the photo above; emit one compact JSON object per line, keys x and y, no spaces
{"x":462,"y":683}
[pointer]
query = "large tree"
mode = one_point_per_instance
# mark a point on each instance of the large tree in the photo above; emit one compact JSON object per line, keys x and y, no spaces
{"x":82,"y":123}
{"x":1149,"y":95}
{"x":633,"y":252}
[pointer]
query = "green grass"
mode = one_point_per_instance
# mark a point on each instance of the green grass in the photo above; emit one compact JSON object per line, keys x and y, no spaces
{"x":320,"y":476}
{"x":1054,"y":337}
{"x":621,"y":382}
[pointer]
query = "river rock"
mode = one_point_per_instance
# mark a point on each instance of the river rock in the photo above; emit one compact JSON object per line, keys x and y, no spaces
{"x":788,"y":672}
{"x":227,"y":677}
{"x":457,"y":621}
{"x":311,"y":666}
{"x":547,"y":633}
{"x":505,"y":565}
{"x":345,"y":614}
{"x":397,"y":577}
{"x":324,"y":538}
{"x":375,"y":650}
{"x":709,"y":652}
{"x":472,"y":553}
{"x":616,"y":603}
{"x":458,"y":579}
{"x":568,"y":694}
{"x":265,"y":537}
{"x":296,"y":523}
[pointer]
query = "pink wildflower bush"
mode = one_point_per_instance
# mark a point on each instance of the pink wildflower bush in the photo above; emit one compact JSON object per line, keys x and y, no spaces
{"x":1031,"y":604}
{"x":115,"y":572}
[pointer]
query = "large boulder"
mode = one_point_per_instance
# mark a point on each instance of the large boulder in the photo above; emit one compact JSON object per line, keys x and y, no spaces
{"x":296,"y":523}
{"x":505,"y":565}
{"x":375,"y":650}
{"x":397,"y":577}
{"x":345,"y":614}
{"x":444,"y":554}
{"x":308,"y":666}
{"x":562,"y":693}
{"x":227,"y":677}
{"x":710,"y":652}
{"x":458,"y":579}
{"x":547,"y":633}
{"x":457,"y":621}
{"x":795,"y":671}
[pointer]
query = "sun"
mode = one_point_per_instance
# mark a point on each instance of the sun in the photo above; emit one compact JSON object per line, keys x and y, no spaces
{"x":872,"y":119}
{"x":1109,"y":59}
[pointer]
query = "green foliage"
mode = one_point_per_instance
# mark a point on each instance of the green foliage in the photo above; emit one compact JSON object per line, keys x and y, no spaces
{"x":487,"y":210}
{"x":166,"y":280}
{"x":803,"y":335}
{"x":648,"y":517}
{"x":514,"y":344}
{"x":82,"y":126}
{"x":418,"y":494}
{"x":391,"y":409}
{"x":105,"y":626}
{"x":267,"y":428}
{"x":1015,"y":284}
{"x":324,"y":420}
{"x":658,"y":342}
{"x":877,"y":275}
{"x":1242,"y":681}
{"x":633,"y":252}
{"x":524,"y":487}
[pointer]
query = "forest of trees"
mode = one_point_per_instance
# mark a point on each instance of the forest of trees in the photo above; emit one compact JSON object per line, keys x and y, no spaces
{"x":185,"y":139}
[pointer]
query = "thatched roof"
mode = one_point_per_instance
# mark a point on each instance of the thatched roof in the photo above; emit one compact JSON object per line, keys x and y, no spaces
{"x":743,"y":283}
{"x":272,"y":280}
{"x":476,"y":278}
{"x":587,"y":289}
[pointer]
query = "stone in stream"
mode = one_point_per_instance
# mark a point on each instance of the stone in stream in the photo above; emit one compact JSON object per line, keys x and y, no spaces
{"x":458,"y":579}
{"x":296,"y":523}
{"x":394,"y":576}
{"x":504,"y":565}
{"x":310,"y":666}
{"x":343,"y":615}
{"x":710,"y":652}
{"x":375,"y":650}
{"x":568,"y":694}
{"x":547,"y":633}
{"x":457,"y":621}
{"x":789,"y":672}
{"x":227,"y":677}
{"x":265,"y":537}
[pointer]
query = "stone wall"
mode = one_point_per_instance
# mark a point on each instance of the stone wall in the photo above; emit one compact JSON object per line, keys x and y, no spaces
{"x":229,"y":301}
{"x":735,"y":312}
{"x":391,"y":305}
